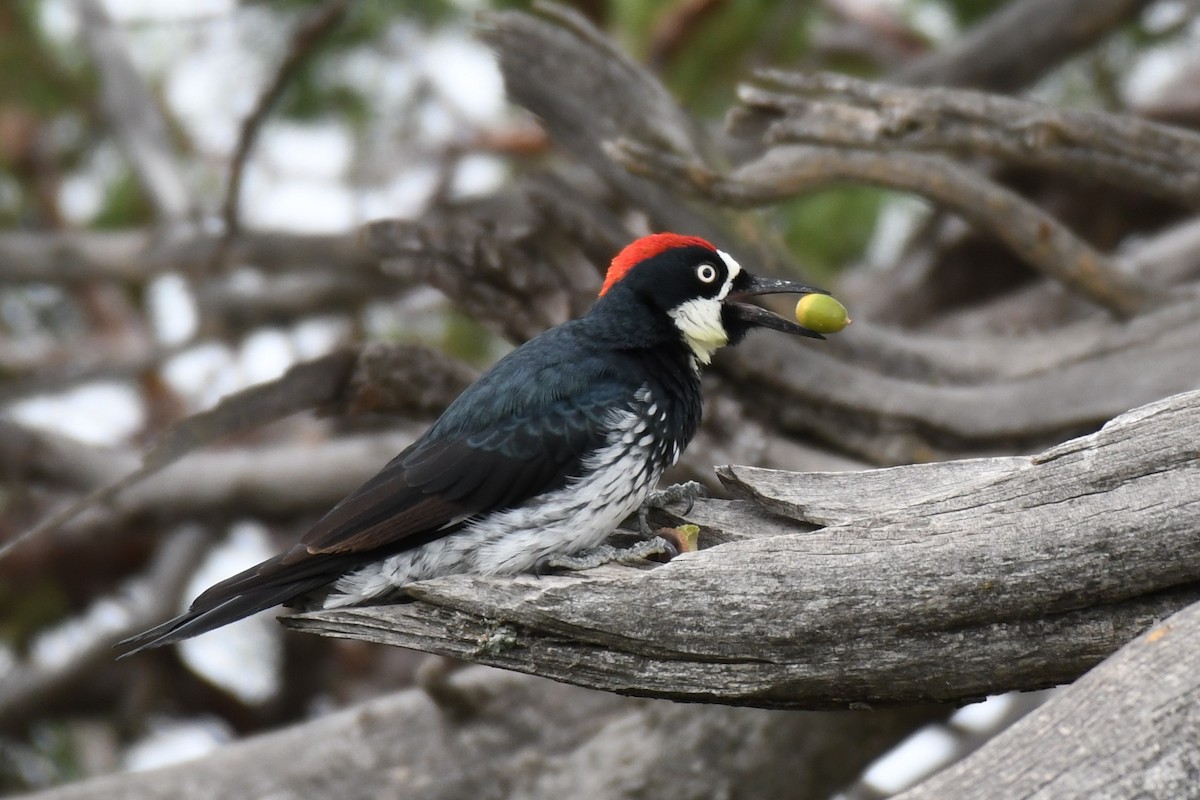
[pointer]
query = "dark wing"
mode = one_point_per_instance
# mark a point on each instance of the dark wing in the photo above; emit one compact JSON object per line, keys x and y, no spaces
{"x":491,"y":450}
{"x":519,"y":431}
{"x":437,"y":483}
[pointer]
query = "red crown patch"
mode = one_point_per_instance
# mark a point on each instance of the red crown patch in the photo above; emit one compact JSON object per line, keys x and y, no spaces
{"x":644,"y":248}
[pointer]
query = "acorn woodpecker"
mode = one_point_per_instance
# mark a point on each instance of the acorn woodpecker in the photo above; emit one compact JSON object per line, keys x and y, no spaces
{"x":545,"y":455}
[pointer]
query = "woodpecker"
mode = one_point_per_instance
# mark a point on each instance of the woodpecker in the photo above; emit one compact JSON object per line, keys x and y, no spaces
{"x":544,"y":455}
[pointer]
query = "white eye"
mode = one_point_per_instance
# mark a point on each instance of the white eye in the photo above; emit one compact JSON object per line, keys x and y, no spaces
{"x":706,"y":273}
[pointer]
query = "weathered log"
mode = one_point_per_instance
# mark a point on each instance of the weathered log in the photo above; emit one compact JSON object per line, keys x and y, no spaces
{"x":1129,"y":728}
{"x":487,"y":734}
{"x":939,"y":582}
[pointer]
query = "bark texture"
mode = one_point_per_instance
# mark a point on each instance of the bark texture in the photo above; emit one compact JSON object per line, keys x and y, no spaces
{"x":938,"y":582}
{"x":491,"y":735}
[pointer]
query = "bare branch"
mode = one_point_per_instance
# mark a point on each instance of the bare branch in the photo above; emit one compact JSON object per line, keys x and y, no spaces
{"x":133,"y":115}
{"x":1172,"y":256}
{"x":1126,"y":729}
{"x":301,"y":387}
{"x":34,"y":366}
{"x":830,"y":109}
{"x":788,"y":170}
{"x":28,"y":688}
{"x":32,"y":456}
{"x":1018,"y":43}
{"x":505,"y":260}
{"x":139,"y":255}
{"x":1031,"y":389}
{"x":315,"y":26}
{"x":474,"y":737}
{"x":407,"y":380}
{"x":959,"y":581}
{"x":585,"y":91}
{"x":231,"y":307}
{"x":359,"y":379}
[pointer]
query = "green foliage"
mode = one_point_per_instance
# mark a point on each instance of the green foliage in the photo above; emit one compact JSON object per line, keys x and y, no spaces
{"x":466,"y":339}
{"x":124,"y":204}
{"x":968,"y":12}
{"x":723,"y":47}
{"x":31,"y":74}
{"x":829,"y":229}
{"x":309,"y":98}
{"x":41,"y":605}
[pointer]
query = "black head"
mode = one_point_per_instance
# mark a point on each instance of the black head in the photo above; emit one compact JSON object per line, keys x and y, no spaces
{"x":701,"y":289}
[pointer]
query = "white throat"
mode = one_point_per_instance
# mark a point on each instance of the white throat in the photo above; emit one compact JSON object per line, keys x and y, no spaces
{"x":699,"y":320}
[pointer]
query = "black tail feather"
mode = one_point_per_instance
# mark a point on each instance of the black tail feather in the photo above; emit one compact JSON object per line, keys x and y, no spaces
{"x":202,"y":618}
{"x":269,"y":584}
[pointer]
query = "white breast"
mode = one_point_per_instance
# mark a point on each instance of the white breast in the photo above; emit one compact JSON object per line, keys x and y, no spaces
{"x":577,"y":517}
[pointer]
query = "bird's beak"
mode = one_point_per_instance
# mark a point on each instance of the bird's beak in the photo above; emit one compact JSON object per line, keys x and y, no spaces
{"x":761,"y":317}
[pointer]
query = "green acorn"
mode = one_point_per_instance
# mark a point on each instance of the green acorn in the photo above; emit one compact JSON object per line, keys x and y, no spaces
{"x":821,"y":313}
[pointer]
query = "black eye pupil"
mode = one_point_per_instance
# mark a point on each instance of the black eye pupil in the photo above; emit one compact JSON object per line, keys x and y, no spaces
{"x":707,"y":272}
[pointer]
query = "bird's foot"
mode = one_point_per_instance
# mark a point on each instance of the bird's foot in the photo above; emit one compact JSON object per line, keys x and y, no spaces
{"x":675,"y":493}
{"x":662,"y":546}
{"x":608,"y":554}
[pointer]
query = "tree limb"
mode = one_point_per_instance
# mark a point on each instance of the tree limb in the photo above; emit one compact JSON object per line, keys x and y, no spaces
{"x":489,"y":734}
{"x":359,"y":379}
{"x":785,"y":171}
{"x":1019,"y":43}
{"x":133,"y":115}
{"x":831,"y":109}
{"x":28,"y":688}
{"x":1126,"y":729}
{"x":34,"y":366}
{"x":315,"y":26}
{"x":925,"y":583}
{"x":585,"y":90}
{"x":139,"y":255}
{"x":933,"y":398}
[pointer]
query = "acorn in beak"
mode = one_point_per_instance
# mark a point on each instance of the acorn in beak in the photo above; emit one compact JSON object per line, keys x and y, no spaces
{"x":757,"y":316}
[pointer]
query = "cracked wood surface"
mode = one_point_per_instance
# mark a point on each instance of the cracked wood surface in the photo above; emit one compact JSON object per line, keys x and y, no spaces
{"x":1129,"y":728}
{"x":939,"y":582}
{"x":483,"y":733}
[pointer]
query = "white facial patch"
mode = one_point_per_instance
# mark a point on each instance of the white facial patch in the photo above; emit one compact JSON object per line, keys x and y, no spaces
{"x":734,"y":268}
{"x":700,"y":320}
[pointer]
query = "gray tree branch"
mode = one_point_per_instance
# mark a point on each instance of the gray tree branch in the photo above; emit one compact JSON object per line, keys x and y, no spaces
{"x":133,"y":115}
{"x":1126,"y":729}
{"x":785,"y":171}
{"x":967,"y":394}
{"x":1019,"y":43}
{"x":29,"y":689}
{"x":586,"y":90}
{"x":831,"y":109}
{"x":139,"y":255}
{"x":939,"y":582}
{"x":484,"y":733}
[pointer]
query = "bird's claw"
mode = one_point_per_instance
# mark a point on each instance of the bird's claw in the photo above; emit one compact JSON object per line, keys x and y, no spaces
{"x":676,"y":493}
{"x":607,"y":554}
